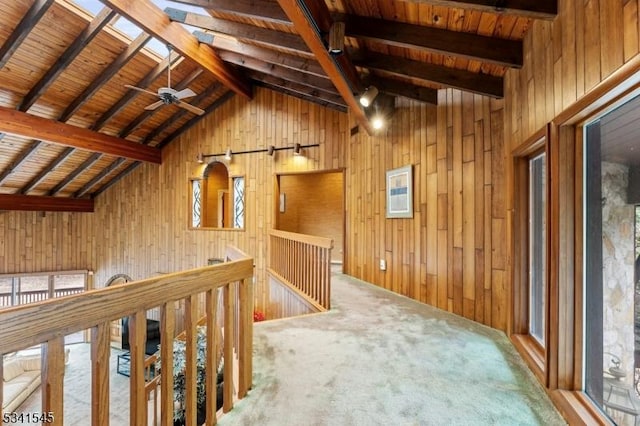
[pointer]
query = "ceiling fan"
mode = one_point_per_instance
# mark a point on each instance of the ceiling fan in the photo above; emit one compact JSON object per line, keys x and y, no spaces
{"x":169,"y":95}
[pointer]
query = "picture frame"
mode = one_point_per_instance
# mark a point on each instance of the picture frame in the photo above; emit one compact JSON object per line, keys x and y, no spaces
{"x":400,"y":192}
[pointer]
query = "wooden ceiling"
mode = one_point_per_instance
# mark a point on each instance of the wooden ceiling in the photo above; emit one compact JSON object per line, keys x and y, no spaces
{"x":69,"y":128}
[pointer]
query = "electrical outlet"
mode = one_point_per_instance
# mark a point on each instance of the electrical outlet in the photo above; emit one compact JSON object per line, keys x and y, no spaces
{"x":383,"y":265}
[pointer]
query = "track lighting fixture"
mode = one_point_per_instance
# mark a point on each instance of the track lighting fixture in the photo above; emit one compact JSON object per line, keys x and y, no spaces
{"x":368,"y":96}
{"x":297,"y":150}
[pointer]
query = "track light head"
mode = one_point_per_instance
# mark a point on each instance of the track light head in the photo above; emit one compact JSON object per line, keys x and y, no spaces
{"x":336,"y":38}
{"x":368,"y":96}
{"x":227,"y":154}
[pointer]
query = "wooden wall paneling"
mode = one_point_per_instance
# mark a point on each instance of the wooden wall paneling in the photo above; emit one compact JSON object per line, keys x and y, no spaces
{"x":630,"y":30}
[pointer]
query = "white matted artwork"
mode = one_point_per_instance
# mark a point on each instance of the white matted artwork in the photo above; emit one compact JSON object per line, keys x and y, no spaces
{"x":400,"y":192}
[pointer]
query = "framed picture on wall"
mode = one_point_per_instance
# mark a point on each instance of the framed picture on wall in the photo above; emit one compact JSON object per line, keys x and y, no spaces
{"x":400,"y":192}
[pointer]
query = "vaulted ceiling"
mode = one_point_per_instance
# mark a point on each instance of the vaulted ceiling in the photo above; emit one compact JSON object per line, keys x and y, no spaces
{"x":71,"y":125}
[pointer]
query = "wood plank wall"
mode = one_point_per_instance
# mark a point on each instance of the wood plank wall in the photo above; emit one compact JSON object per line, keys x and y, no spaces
{"x":564,"y":61}
{"x":33,"y":241}
{"x":144,"y":218}
{"x":450,"y":255}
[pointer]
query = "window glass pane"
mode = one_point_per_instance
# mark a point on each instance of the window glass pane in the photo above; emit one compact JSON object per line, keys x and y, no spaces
{"x":238,"y":202}
{"x":196,"y":206}
{"x":537,"y":247}
{"x":611,"y":183}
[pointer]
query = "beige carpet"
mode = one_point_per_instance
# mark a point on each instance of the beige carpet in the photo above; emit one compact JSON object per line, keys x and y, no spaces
{"x":375,"y":359}
{"x":382,"y":359}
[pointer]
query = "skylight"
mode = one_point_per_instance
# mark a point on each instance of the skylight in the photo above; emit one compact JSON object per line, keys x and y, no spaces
{"x":131,"y":30}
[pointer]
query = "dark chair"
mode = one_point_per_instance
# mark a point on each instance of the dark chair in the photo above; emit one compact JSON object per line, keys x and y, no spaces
{"x":153,"y":336}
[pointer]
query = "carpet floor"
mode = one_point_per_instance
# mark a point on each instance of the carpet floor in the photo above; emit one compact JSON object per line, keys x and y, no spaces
{"x":378,"y":358}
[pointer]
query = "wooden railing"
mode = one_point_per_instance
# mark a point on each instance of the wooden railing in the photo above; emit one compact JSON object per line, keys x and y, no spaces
{"x":47,"y":322}
{"x":32,"y":296}
{"x":304,"y":262}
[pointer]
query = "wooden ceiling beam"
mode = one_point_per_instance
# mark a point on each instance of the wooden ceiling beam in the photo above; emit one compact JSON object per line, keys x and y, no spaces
{"x":44,"y":172}
{"x":534,"y":9}
{"x":155,"y":22}
{"x":498,"y":51}
{"x":22,"y":157}
{"x":31,"y":126}
{"x":97,"y":178}
{"x":106,"y":75}
{"x":304,"y":97}
{"x":294,"y":62}
{"x":272,"y":80}
{"x":404,"y":89}
{"x":215,"y":105}
{"x":311,"y":20}
{"x":77,"y":172}
{"x":266,"y":36}
{"x":482,"y":84}
{"x":44,"y":203}
{"x":298,"y":77}
{"x":85,"y":37}
{"x":263,"y":10}
{"x":21,"y":31}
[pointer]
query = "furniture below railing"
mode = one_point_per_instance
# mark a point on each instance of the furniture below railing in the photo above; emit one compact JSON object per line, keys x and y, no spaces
{"x":47,"y":322}
{"x":304,"y":263}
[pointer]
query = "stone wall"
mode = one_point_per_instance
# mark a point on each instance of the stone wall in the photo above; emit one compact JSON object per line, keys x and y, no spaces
{"x":618,"y":267}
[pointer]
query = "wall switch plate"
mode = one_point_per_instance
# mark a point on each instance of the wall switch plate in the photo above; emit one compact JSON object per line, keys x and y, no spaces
{"x":383,"y":265}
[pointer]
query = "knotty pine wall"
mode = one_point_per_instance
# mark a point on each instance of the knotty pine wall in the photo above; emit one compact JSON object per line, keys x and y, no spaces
{"x":33,"y":241}
{"x":144,"y":218}
{"x":450,"y":255}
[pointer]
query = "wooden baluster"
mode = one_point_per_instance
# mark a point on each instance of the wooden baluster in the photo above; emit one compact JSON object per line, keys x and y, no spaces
{"x":100,"y":353}
{"x":168,"y":320}
{"x":244,"y":345}
{"x":191,"y":378}
{"x":53,"y":378}
{"x":212,"y":356}
{"x":228,"y":295}
{"x":137,"y":339}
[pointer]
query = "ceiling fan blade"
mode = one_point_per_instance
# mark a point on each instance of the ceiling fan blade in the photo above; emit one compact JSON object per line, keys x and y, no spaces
{"x":184,"y":93}
{"x":154,"y":105}
{"x":189,"y":107}
{"x":139,"y":89}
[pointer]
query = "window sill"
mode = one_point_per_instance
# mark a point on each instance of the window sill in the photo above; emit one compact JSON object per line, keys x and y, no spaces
{"x":577,"y":408}
{"x":533,"y":354}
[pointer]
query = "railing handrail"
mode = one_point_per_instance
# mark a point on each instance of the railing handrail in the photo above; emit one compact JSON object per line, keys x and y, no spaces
{"x":27,"y":325}
{"x":302,"y":262}
{"x":313,"y":240}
